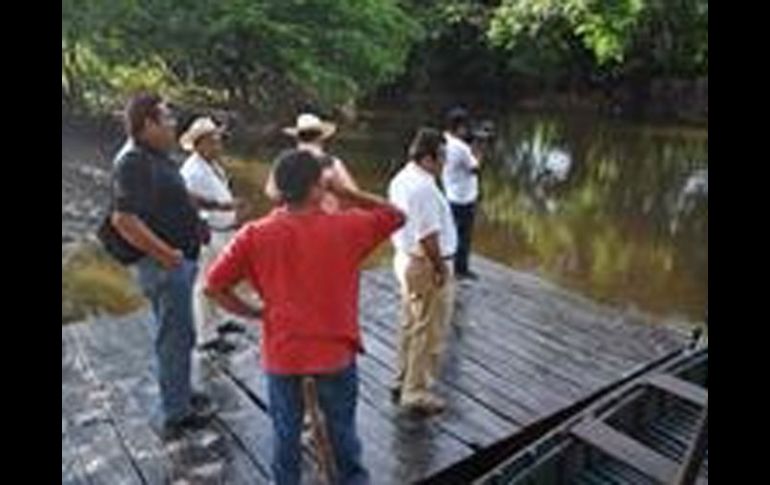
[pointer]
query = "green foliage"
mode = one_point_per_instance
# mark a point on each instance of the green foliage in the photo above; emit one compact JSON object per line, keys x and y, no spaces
{"x":668,"y":37}
{"x":265,"y":54}
{"x":253,"y":52}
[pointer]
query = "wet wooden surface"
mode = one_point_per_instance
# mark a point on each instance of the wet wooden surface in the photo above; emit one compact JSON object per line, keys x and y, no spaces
{"x":520,"y":349}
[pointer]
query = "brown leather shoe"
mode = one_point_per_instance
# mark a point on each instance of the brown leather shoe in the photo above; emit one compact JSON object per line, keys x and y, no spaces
{"x":427,"y":404}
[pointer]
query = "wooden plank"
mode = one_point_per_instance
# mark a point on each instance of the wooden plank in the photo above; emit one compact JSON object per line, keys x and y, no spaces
{"x":592,"y":351}
{"x":573,"y":364}
{"x":474,"y":309}
{"x":464,"y":420}
{"x":251,"y":423}
{"x":621,"y":337}
{"x":381,"y":425}
{"x":529,"y":291}
{"x":572,"y":329}
{"x":537,"y":347}
{"x":465,"y":378}
{"x":420,"y":446}
{"x":522,"y":360}
{"x":206,"y":456}
{"x":72,"y":466}
{"x":474,"y":379}
{"x":696,"y":453}
{"x":241,"y":418}
{"x":130,"y":420}
{"x":562,"y":335}
{"x":104,"y":459}
{"x":495,"y":356}
{"x":680,"y":388}
{"x":392,"y":450}
{"x":548,"y":305}
{"x":74,"y":389}
{"x":243,"y":369}
{"x":88,"y":427}
{"x":475,"y":424}
{"x":225,"y":455}
{"x":626,"y":450}
{"x":505,"y":359}
{"x":533,"y":287}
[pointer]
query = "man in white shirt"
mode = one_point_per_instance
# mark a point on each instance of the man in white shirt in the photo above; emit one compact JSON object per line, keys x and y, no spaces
{"x":424,"y":246}
{"x":460,"y":178}
{"x":208,"y":185}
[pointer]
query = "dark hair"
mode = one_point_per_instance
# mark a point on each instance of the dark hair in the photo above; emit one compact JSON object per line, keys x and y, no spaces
{"x":295,"y":172}
{"x":139,"y":109}
{"x":426,"y":143}
{"x":307,"y":136}
{"x":456,"y":117}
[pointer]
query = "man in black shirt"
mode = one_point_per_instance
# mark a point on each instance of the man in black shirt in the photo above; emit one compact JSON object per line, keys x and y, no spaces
{"x":153,"y":211}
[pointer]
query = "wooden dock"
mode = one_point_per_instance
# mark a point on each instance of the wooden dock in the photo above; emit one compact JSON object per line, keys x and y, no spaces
{"x":520,"y":350}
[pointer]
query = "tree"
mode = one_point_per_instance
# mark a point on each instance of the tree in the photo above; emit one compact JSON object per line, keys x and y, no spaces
{"x":254,"y":52}
{"x":663,"y":36}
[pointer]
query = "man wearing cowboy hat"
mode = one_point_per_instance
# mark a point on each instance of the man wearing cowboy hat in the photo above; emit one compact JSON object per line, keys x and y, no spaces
{"x":208,"y":185}
{"x":311,"y":132}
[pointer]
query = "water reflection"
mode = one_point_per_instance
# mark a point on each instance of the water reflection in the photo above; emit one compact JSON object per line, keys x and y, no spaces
{"x":692,"y":197}
{"x":539,"y":164}
{"x":617,"y":211}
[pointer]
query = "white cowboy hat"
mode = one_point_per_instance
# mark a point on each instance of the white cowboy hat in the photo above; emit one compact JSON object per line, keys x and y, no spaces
{"x":311,"y":122}
{"x":198,"y":128}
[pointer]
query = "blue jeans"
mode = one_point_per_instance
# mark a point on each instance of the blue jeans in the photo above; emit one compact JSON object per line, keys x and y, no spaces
{"x":464,"y":215}
{"x":337,"y":396}
{"x":170,"y":294}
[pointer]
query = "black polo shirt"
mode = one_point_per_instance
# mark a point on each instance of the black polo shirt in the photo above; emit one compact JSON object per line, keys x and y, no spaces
{"x":147,"y":183}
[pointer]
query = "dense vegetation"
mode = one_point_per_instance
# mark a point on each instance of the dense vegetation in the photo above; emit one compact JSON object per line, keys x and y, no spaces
{"x":260,"y":56}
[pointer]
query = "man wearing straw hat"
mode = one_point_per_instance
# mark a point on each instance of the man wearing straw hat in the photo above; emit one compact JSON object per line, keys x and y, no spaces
{"x":311,"y":132}
{"x":207,"y":183}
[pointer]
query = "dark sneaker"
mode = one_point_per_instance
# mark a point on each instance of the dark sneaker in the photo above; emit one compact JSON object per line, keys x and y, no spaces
{"x":231,"y":326}
{"x":426,"y":405}
{"x":395,"y":393}
{"x":218,"y":345}
{"x":202,"y":404}
{"x":192,"y":422}
{"x":468,"y":275}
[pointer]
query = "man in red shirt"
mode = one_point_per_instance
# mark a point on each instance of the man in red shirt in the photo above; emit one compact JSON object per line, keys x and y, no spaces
{"x":304,"y":263}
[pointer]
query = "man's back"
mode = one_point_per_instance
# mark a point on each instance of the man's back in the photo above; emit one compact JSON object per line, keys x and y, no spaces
{"x":304,"y":265}
{"x":415,"y":192}
{"x":458,"y":176}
